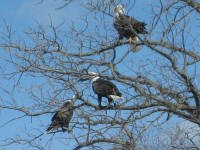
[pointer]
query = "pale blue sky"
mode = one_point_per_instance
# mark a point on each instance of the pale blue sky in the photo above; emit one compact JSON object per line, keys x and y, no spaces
{"x":22,"y":14}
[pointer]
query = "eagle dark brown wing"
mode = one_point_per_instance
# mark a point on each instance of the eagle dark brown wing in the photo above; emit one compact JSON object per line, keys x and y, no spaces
{"x":105,"y":88}
{"x":137,"y":25}
{"x":125,"y":25}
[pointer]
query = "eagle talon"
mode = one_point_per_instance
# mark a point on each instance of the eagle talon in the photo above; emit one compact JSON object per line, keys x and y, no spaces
{"x":64,"y":130}
{"x":110,"y":106}
{"x":130,"y":40}
{"x":69,"y":130}
{"x":119,"y":41}
{"x":100,"y":107}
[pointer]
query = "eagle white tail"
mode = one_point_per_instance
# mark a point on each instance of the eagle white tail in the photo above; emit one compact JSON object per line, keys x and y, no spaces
{"x":115,"y":97}
{"x":48,"y":131}
{"x":134,"y":47}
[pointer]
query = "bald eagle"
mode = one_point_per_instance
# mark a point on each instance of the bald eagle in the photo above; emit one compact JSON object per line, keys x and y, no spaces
{"x":104,"y":88}
{"x":62,"y":117}
{"x":128,"y":27}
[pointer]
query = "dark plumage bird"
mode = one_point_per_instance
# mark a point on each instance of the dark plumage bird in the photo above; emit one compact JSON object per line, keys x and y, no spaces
{"x":128,"y":27}
{"x":62,"y":117}
{"x":104,"y":88}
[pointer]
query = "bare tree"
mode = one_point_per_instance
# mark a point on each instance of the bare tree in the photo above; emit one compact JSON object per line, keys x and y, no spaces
{"x":64,"y":3}
{"x":186,"y":137}
{"x":159,"y":83}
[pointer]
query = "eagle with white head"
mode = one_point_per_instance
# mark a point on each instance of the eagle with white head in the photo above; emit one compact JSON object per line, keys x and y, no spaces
{"x":104,"y":88}
{"x":62,"y":117}
{"x":128,"y":27}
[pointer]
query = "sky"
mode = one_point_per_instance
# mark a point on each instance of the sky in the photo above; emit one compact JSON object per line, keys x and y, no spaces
{"x":22,"y":14}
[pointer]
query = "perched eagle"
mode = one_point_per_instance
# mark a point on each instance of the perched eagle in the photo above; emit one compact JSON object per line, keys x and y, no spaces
{"x":104,"y":88}
{"x":62,"y":117}
{"x":127,"y":26}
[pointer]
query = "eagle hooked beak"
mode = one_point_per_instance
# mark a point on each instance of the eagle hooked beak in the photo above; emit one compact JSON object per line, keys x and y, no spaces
{"x":84,"y":78}
{"x":90,"y":76}
{"x":115,"y":10}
